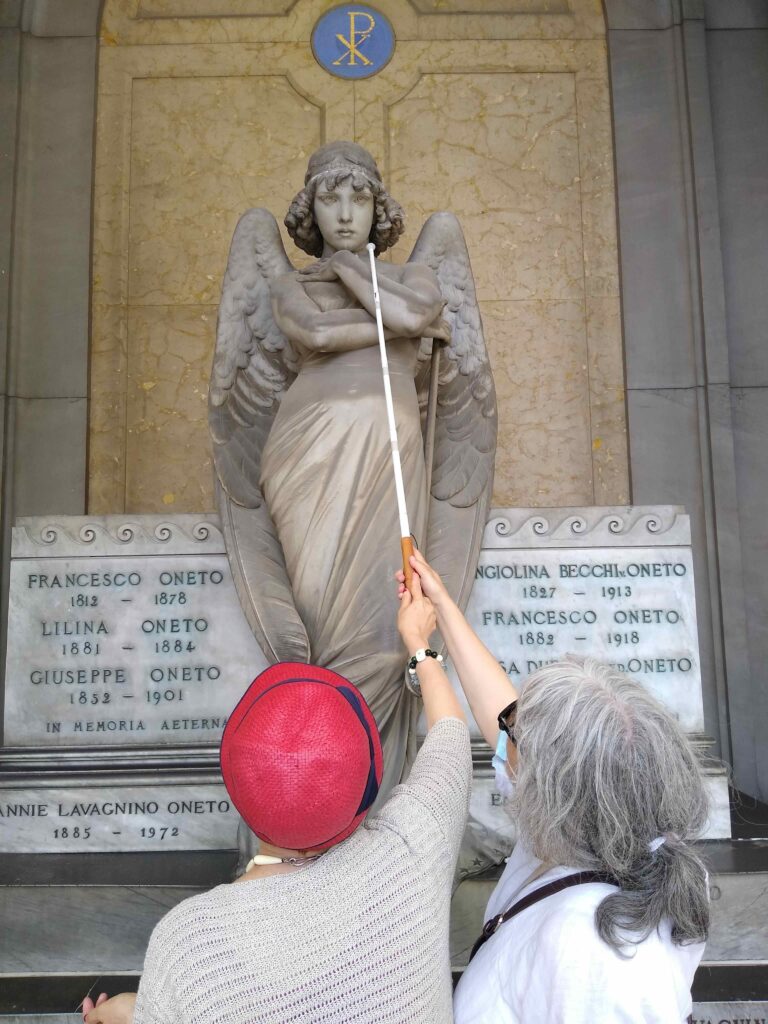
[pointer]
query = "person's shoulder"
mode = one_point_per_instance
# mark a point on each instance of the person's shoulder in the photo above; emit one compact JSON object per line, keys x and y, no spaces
{"x":444,"y":758}
{"x":567,"y":930}
{"x":176,"y":924}
{"x":434,"y":795}
{"x":571,"y":913}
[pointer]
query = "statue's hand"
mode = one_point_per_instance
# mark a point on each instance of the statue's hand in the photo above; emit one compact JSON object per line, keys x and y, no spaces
{"x":439,"y":329}
{"x":323,"y":270}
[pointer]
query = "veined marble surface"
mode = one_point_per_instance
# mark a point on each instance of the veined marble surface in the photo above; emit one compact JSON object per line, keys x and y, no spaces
{"x":730,"y":1013}
{"x":41,"y":1018}
{"x":496,"y":111}
{"x":80,"y":929}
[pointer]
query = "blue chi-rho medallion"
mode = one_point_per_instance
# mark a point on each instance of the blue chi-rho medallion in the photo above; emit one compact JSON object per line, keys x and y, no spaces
{"x":353,"y":41}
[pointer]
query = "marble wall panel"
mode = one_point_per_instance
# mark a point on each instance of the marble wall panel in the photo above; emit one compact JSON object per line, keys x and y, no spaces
{"x":114,"y":818}
{"x":539,"y":359}
{"x":750,"y":422}
{"x":52,"y":218}
{"x":49,"y":442}
{"x":663,"y":428}
{"x":133,"y":22}
{"x":738,"y":907}
{"x":512,"y":134}
{"x":106,"y":416}
{"x":10,"y":56}
{"x":204,"y":150}
{"x":492,"y":6}
{"x":607,"y":406}
{"x":536,"y":203}
{"x":500,"y":151}
{"x":596,"y":183}
{"x":211,"y":8}
{"x":167,"y":453}
{"x":738,"y":64}
{"x":658,"y":305}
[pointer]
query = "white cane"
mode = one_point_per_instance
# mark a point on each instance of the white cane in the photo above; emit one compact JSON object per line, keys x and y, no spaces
{"x":406,"y":544}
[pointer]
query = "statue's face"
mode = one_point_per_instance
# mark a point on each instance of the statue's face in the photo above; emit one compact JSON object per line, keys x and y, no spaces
{"x":343,"y":216}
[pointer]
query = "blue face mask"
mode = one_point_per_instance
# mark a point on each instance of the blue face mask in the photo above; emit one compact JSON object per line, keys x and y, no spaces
{"x":504,"y":784}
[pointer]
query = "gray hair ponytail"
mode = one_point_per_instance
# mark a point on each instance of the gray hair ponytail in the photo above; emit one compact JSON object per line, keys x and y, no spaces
{"x":604,"y":769}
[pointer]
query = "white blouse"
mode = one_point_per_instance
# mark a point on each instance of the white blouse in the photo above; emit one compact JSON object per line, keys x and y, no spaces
{"x":549,"y":964}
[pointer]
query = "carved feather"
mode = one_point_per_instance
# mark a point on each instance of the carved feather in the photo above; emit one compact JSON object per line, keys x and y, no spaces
{"x":253,"y":367}
{"x":466,"y":423}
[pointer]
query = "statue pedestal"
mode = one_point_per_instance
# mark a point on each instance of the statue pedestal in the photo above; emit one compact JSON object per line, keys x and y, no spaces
{"x":126,"y":778}
{"x":127,"y":649}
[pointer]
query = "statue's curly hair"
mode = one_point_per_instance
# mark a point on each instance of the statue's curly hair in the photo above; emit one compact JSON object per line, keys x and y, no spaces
{"x":388,"y":216}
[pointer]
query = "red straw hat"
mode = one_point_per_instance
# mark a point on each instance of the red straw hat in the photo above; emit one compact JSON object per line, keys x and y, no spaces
{"x":301,"y":757}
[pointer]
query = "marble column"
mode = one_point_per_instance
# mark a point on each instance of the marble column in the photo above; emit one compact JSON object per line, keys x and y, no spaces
{"x":48,"y":52}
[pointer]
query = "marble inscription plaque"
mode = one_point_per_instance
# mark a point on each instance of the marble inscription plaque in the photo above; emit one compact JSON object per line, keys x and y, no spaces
{"x":632,"y":608}
{"x":730,"y":1013}
{"x":88,"y":819}
{"x":614,"y":583}
{"x":123,"y":633}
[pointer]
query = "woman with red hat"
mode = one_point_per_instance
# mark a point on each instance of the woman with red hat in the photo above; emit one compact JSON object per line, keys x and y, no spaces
{"x":332,"y":922}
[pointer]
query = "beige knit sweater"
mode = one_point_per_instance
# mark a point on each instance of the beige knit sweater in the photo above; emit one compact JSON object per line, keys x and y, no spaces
{"x":359,"y":936}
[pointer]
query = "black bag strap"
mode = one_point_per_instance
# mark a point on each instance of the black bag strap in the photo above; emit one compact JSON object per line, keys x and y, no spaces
{"x":492,"y":926}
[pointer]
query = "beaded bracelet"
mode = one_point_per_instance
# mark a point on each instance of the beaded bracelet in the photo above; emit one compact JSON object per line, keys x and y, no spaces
{"x":422,"y":654}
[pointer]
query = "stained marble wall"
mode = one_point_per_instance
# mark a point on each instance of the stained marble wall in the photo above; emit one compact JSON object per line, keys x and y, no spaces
{"x":499,"y":112}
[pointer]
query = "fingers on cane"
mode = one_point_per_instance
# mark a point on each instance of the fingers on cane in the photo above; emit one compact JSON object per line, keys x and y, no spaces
{"x":418,"y":561}
{"x":416,"y":586}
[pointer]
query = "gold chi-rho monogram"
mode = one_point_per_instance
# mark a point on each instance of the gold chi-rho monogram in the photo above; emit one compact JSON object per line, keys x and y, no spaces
{"x":356,"y":36}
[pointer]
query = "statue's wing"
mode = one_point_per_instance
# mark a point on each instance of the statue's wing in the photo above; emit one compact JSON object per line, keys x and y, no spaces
{"x":465,"y":430}
{"x":253,"y":366}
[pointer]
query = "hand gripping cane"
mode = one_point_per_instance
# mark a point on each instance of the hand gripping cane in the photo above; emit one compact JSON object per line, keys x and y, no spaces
{"x":406,"y":544}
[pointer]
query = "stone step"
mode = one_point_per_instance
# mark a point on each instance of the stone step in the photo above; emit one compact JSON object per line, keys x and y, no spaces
{"x":69,"y":924}
{"x":738,"y":1012}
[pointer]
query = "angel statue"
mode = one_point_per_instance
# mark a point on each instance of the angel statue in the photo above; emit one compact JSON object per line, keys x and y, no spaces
{"x":300,"y":440}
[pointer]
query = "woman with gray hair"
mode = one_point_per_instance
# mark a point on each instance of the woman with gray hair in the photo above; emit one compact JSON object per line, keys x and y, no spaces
{"x":602,"y":910}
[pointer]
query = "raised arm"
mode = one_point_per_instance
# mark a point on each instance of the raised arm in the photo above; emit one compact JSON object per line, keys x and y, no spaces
{"x":410,"y":308}
{"x":429,"y":811}
{"x":416,"y":621}
{"x":483,"y":680}
{"x":300,"y":319}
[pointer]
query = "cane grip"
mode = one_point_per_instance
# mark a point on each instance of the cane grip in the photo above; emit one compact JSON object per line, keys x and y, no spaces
{"x":406,"y":546}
